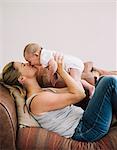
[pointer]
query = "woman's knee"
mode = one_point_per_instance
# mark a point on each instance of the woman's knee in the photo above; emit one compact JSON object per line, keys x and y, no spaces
{"x":106,"y":82}
{"x":109,"y":79}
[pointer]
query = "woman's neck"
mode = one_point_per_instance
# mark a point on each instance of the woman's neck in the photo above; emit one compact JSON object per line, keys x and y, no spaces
{"x":32,"y":87}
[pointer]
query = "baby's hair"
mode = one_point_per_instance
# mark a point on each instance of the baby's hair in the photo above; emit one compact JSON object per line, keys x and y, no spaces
{"x":31,"y":48}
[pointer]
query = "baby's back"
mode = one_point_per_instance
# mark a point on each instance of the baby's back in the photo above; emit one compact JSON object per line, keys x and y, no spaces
{"x":69,"y":60}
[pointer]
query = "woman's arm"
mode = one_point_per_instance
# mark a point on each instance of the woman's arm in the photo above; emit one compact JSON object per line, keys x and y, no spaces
{"x":47,"y":101}
{"x":73,"y":86}
{"x":57,"y":90}
{"x":52,"y":66}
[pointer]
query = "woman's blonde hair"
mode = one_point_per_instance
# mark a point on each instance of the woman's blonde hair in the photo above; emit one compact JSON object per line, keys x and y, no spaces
{"x":10,"y":74}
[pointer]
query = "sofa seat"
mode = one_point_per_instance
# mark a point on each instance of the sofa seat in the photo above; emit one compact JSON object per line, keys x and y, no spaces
{"x":41,"y":139}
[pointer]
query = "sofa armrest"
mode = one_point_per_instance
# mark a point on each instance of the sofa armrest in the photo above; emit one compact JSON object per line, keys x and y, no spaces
{"x":8,"y":121}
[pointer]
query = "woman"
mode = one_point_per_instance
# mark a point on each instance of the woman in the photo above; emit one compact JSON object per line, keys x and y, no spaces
{"x":55,"y":112}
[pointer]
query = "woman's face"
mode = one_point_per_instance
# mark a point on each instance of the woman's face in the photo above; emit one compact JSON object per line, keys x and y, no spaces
{"x":25,"y":69}
{"x":33,"y":59}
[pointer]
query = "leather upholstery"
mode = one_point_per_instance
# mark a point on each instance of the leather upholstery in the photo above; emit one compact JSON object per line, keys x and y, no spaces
{"x":8,"y":121}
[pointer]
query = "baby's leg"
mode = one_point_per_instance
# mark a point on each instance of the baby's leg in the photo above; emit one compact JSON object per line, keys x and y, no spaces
{"x":88,"y":66}
{"x":76,"y":75}
{"x":87,"y":72}
{"x":89,"y":87}
{"x":89,"y":77}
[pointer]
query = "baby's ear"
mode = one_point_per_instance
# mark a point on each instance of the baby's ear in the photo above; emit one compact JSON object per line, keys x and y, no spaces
{"x":21,"y":79}
{"x":36,"y":53}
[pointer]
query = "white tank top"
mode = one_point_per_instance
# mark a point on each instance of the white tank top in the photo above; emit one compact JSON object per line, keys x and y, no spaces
{"x":62,"y":121}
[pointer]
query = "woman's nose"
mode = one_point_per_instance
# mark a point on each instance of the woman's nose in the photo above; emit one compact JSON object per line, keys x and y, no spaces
{"x":27,"y":64}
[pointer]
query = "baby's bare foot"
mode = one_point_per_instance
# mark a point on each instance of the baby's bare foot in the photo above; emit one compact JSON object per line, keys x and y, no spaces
{"x":91,"y":91}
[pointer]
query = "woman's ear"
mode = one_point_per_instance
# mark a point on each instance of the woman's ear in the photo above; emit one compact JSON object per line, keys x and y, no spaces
{"x":21,"y":79}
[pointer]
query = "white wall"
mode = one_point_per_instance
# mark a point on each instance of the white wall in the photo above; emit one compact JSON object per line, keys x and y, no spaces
{"x":84,"y":28}
{"x":1,"y":22}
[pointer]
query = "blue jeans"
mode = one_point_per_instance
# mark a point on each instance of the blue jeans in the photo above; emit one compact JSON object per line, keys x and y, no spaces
{"x":97,"y":117}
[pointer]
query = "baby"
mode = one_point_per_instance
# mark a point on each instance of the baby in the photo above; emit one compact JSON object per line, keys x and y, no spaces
{"x":38,"y":56}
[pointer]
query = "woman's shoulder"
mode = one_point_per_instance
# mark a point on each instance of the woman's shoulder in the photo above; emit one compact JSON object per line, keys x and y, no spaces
{"x":54,"y":90}
{"x":30,"y":98}
{"x":37,"y":95}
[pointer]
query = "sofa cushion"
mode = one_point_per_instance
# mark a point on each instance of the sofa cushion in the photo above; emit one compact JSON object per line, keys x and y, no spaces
{"x":39,"y":138}
{"x":24,"y":117}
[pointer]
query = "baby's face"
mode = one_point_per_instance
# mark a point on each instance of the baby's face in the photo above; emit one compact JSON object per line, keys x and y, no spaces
{"x":33,"y":59}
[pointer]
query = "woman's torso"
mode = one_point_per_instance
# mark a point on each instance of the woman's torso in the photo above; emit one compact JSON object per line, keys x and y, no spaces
{"x":62,"y":121}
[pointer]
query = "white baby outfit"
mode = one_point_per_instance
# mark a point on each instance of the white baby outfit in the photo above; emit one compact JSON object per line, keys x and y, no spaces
{"x":69,"y":61}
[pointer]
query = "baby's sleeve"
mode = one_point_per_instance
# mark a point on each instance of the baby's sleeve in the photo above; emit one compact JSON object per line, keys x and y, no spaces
{"x":45,"y":57}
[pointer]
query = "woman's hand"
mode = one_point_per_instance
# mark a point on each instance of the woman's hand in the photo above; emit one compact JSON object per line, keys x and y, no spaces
{"x":58,"y":57}
{"x":52,"y":66}
{"x":60,"y":63}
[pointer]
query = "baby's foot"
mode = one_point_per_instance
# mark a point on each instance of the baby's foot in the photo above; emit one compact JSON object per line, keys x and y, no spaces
{"x":91,"y":91}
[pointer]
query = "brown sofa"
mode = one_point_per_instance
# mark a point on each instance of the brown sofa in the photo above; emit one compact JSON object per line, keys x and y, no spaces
{"x":12,"y":137}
